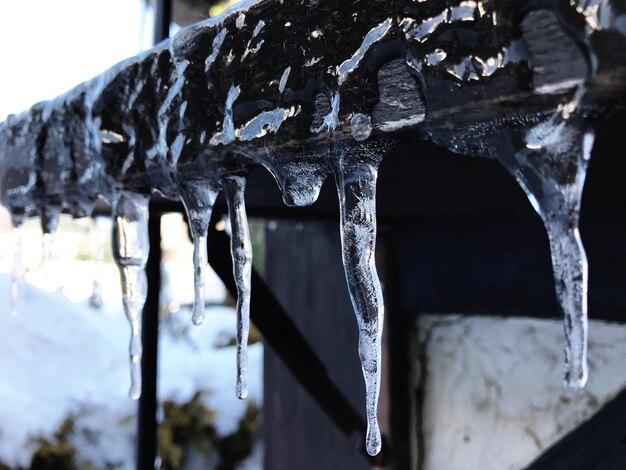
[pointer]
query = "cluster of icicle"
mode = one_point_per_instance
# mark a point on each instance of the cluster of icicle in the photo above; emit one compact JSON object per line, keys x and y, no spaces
{"x":54,"y":159}
{"x":73,"y":145}
{"x":356,"y":183}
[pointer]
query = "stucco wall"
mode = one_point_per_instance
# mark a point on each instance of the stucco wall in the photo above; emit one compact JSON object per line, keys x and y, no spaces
{"x":489,"y":390}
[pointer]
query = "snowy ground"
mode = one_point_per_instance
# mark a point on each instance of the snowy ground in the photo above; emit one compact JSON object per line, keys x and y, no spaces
{"x":61,"y":356}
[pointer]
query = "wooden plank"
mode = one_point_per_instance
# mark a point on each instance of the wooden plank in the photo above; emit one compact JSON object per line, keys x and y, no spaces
{"x":469,"y":75}
{"x":297,"y":434}
{"x":301,"y":250}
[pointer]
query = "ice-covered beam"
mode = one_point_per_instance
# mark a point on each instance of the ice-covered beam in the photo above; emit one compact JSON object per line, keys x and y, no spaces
{"x":310,"y":90}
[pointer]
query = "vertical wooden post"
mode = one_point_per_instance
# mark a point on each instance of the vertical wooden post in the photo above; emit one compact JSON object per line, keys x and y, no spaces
{"x":147,"y":444}
{"x":162,"y":20}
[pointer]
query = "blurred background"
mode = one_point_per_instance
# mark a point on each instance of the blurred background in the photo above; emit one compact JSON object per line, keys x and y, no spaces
{"x":63,"y":358}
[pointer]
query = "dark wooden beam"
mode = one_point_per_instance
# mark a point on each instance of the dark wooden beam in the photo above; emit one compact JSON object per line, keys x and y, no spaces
{"x":147,"y":426}
{"x":470,"y":76}
{"x":147,"y":441}
{"x":599,"y":443}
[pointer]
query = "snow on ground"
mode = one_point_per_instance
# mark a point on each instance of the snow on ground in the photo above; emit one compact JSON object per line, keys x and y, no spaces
{"x":57,"y":356}
{"x":61,"y":356}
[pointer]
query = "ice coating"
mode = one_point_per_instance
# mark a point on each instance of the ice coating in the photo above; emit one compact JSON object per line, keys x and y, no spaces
{"x":283,"y":79}
{"x":217,"y":44}
{"x":267,"y":121}
{"x":130,"y":251}
{"x":178,"y":78}
{"x":241,"y":251}
{"x":198,"y":198}
{"x":433,"y":58}
{"x":227,"y":135}
{"x":331,"y":120}
{"x":599,"y":15}
{"x":361,"y":127}
{"x":357,"y":172}
{"x":373,"y":36}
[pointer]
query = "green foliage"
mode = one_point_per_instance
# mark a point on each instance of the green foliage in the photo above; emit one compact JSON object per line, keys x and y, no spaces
{"x":237,"y":446}
{"x":58,"y":452}
{"x":185,"y":427}
{"x":53,"y":456}
{"x":191,"y":426}
{"x":188,"y":425}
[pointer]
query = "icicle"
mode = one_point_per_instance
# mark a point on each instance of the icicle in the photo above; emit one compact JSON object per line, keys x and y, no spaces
{"x":569,"y":263}
{"x":198,"y":198}
{"x":130,"y":251}
{"x":551,"y":170}
{"x":99,"y":226}
{"x":49,"y":223}
{"x":17,"y":264}
{"x":241,"y":251}
{"x":300,"y":182}
{"x":299,"y":176}
{"x":356,"y":184}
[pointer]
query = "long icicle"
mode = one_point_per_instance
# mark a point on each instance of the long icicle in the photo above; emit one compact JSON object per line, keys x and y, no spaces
{"x":241,"y":251}
{"x":17,"y":264}
{"x":561,"y":214}
{"x":198,"y":198}
{"x":130,"y":251}
{"x":569,"y":263}
{"x":99,"y":227}
{"x":356,"y":184}
{"x":556,"y":192}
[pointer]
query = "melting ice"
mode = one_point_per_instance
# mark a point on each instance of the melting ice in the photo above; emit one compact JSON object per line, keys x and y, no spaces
{"x":356,"y":184}
{"x":198,"y":198}
{"x":241,"y":251}
{"x":130,"y":252}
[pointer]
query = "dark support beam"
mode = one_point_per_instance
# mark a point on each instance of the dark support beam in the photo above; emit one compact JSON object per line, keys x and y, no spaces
{"x":396,"y":337}
{"x":598,"y":444}
{"x":163,"y":19}
{"x":147,"y":441}
{"x":147,"y":444}
{"x":289,"y":343}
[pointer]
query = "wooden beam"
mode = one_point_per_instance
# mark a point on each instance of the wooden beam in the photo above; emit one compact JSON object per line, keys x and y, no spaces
{"x":271,"y":82}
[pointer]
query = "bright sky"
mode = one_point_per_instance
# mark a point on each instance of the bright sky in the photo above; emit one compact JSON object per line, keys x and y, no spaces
{"x":49,"y":46}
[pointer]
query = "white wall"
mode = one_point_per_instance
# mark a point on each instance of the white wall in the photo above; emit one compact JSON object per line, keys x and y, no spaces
{"x":493,"y":395}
